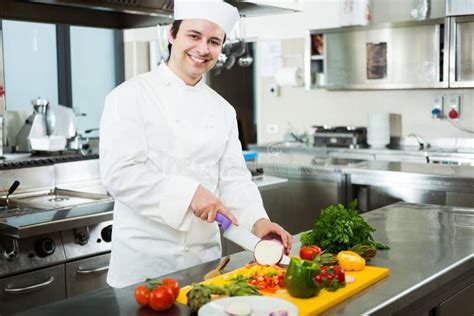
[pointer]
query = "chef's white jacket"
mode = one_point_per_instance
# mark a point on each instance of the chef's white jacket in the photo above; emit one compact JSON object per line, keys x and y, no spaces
{"x":160,"y":139}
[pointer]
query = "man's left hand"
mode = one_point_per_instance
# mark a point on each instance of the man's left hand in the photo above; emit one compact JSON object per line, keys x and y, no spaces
{"x":263,"y":228}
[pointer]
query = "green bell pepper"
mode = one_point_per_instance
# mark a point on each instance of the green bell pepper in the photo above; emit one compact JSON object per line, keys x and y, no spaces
{"x":299,"y":278}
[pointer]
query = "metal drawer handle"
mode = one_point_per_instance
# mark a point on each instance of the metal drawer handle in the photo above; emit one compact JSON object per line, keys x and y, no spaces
{"x":28,"y":288}
{"x":80,"y":271}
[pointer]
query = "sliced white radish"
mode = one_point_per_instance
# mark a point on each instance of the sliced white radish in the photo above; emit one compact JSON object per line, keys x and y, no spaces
{"x":350,"y":279}
{"x":238,"y":309}
{"x":268,"y":251}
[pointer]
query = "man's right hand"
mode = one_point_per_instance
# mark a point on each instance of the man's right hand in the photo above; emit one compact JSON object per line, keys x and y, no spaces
{"x":205,"y":205}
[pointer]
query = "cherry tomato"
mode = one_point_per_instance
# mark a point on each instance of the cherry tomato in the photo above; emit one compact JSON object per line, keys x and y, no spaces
{"x":340,"y":274}
{"x":161,"y":298}
{"x":318,"y":279}
{"x":142,"y":295}
{"x":308,"y":252}
{"x":173,"y":285}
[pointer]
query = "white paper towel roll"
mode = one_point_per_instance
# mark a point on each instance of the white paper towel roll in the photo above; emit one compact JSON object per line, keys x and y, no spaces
{"x":289,"y":76}
{"x":378,"y":130}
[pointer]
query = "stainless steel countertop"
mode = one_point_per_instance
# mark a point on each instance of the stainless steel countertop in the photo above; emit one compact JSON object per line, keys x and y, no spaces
{"x":431,"y":247}
{"x":443,"y":178}
{"x":451,"y":171}
{"x":299,"y":162}
{"x":406,"y":153}
{"x":266,"y":183}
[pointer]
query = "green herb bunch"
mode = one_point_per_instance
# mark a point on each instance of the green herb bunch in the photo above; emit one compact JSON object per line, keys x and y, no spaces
{"x":339,"y":228}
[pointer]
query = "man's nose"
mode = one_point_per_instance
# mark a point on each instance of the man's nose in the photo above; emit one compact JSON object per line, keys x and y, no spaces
{"x":203,"y":48}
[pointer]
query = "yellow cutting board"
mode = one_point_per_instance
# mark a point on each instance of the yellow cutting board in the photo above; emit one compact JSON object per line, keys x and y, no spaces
{"x":314,"y":305}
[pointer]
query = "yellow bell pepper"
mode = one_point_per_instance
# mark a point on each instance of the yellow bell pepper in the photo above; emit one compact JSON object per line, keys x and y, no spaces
{"x":350,"y":261}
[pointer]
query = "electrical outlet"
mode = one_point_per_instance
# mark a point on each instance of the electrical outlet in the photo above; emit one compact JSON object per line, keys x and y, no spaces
{"x":437,"y":107}
{"x":272,"y":128}
{"x":453,"y":107}
{"x":274,"y":90}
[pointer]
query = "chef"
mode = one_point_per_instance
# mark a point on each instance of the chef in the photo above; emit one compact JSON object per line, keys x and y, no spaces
{"x":171,"y":157}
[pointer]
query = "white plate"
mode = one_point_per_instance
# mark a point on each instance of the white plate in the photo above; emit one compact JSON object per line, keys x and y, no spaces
{"x":261,"y":306}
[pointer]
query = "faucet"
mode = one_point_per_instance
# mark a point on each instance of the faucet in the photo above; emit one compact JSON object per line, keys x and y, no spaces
{"x":421,"y":142}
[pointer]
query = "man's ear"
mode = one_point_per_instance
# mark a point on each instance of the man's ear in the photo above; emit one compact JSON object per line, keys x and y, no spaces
{"x":170,"y":36}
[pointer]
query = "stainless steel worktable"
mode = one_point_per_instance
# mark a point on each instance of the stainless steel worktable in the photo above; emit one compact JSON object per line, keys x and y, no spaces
{"x":409,"y":153}
{"x":431,"y":258}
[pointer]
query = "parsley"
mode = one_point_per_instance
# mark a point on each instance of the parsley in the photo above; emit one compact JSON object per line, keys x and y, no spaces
{"x":339,"y":228}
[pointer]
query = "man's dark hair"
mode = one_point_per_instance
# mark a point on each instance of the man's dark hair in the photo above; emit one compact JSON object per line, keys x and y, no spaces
{"x":174,"y":32}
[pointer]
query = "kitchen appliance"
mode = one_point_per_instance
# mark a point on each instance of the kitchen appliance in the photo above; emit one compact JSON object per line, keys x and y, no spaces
{"x":240,"y":236}
{"x":55,"y":230}
{"x":45,"y":268}
{"x":54,"y":199}
{"x":48,"y":129}
{"x":340,"y":136}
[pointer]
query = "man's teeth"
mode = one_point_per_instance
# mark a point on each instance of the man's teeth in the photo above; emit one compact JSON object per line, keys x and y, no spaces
{"x":199,"y":60}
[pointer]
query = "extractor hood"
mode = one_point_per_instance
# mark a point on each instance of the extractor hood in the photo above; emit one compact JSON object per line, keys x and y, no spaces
{"x":118,"y":13}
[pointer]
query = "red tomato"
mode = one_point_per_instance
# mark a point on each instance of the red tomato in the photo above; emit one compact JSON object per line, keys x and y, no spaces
{"x":142,"y":295}
{"x":173,"y":285}
{"x":161,"y":298}
{"x":318,"y":279}
{"x":340,"y":274}
{"x":308,"y":252}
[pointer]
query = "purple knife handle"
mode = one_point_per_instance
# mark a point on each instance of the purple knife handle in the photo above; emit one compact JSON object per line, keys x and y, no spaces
{"x":223,"y":220}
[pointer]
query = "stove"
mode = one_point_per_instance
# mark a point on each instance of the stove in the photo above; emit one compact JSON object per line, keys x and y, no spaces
{"x":55,"y":230}
{"x":49,"y":267}
{"x":37,"y":160}
{"x":55,"y":199}
{"x":11,"y":211}
{"x":340,"y":136}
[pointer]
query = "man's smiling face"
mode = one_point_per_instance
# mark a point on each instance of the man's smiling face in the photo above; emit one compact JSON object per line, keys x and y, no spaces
{"x":196,"y":48}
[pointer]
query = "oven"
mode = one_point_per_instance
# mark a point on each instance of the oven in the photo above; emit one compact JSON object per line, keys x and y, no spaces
{"x":55,"y":234}
{"x":40,"y":269}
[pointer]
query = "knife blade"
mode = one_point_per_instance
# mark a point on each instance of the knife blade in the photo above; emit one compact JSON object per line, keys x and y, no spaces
{"x":241,"y":236}
{"x":236,"y":234}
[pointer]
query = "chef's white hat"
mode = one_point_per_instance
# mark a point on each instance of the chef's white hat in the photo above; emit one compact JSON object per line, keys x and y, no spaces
{"x":217,"y":11}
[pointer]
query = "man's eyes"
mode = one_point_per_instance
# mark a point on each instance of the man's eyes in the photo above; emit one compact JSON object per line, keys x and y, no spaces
{"x":197,"y":37}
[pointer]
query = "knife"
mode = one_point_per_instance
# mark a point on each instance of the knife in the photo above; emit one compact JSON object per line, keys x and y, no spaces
{"x":241,"y":236}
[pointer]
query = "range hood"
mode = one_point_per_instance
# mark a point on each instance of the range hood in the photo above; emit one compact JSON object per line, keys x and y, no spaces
{"x":117,"y":13}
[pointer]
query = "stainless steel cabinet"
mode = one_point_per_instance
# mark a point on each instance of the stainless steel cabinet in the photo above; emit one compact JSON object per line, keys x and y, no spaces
{"x":436,"y":53}
{"x":87,"y":274}
{"x":458,"y":304}
{"x":374,"y":197}
{"x":296,"y":205}
{"x":461,"y":57}
{"x":378,"y":189}
{"x":18,"y":293}
{"x":404,"y":55}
